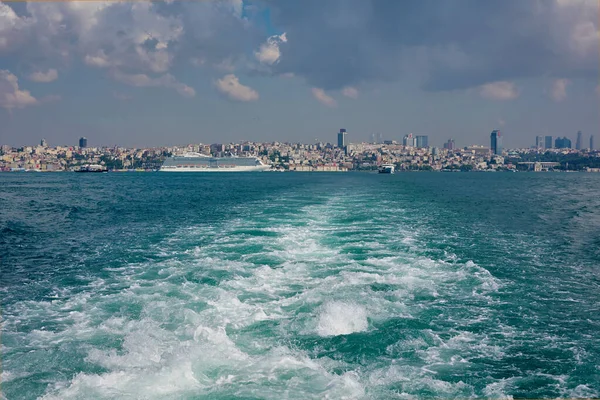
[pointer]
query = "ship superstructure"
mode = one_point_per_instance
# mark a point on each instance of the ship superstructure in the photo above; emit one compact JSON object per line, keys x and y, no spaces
{"x":196,"y":162}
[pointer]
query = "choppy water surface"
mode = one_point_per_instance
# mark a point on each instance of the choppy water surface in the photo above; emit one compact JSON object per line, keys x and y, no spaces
{"x":299,"y":286}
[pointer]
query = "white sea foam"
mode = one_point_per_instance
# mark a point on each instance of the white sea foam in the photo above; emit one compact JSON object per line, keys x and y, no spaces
{"x":245,"y":330}
{"x":338,"y":318}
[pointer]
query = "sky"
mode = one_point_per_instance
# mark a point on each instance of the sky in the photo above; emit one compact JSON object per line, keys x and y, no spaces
{"x":201,"y":71}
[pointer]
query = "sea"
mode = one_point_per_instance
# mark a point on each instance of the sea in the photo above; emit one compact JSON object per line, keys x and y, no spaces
{"x":300,"y":285}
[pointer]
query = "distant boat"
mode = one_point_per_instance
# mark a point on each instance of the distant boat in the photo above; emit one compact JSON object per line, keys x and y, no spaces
{"x":92,"y":168}
{"x":386,"y":169}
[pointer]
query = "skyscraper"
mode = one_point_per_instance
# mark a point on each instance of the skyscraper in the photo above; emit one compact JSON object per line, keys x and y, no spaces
{"x":591,"y":142}
{"x":43,"y":143}
{"x":342,"y":138}
{"x":496,"y":142}
{"x":562,"y":143}
{"x":408,"y":140}
{"x":539,"y":142}
{"x":578,"y":141}
{"x":548,"y":142}
{"x":83,"y":142}
{"x":449,"y":145}
{"x":422,"y":141}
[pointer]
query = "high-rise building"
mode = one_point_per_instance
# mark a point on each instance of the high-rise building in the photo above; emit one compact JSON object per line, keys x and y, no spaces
{"x":408,"y":140}
{"x":591,"y":142}
{"x":562,"y":143}
{"x":83,"y":142}
{"x":43,"y":143}
{"x":539,"y":142}
{"x":449,"y":145}
{"x":342,"y":138}
{"x":578,"y":141}
{"x":548,"y":142}
{"x":422,"y":141}
{"x":496,"y":142}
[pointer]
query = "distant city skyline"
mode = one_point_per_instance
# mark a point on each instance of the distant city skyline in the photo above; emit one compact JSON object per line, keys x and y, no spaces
{"x":156,"y":73}
{"x":419,"y":141}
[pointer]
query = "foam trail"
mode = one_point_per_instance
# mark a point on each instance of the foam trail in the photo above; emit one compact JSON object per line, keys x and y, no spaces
{"x":308,"y":292}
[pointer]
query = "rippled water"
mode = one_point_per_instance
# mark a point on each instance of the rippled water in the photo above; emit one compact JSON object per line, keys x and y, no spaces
{"x":299,"y":286}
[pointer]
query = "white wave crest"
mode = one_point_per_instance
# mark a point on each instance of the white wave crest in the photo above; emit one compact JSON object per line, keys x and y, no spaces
{"x":338,"y":318}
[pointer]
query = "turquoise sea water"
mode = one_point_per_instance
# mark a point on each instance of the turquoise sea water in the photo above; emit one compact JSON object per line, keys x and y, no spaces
{"x":300,"y":286}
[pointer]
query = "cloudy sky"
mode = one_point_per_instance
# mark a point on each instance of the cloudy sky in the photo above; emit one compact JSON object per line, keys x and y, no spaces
{"x":176,"y":72}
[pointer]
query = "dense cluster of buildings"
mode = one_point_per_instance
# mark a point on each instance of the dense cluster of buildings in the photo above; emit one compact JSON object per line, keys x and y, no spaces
{"x":413,"y":153}
{"x":549,"y":142}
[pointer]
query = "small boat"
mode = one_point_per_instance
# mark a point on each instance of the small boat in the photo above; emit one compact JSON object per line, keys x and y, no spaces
{"x":386,"y":169}
{"x":92,"y":168}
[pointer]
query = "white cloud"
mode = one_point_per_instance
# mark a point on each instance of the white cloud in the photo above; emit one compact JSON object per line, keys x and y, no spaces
{"x":230,"y":86}
{"x":559,"y":89}
{"x":351,"y":92}
{"x":143,"y":80}
{"x":323,"y":97}
{"x":269,"y":52}
{"x":48,"y":76}
{"x":136,"y":36}
{"x":11,"y":27}
{"x":99,"y":60}
{"x":501,"y":90}
{"x":10,"y":94}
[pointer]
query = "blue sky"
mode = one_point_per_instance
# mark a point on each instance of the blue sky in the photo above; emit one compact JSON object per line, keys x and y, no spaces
{"x":150,"y":74}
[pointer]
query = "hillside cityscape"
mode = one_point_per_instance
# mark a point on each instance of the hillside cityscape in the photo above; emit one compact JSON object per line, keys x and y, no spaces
{"x":413,"y":153}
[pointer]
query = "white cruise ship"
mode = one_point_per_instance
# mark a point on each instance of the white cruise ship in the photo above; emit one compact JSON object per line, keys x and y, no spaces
{"x":196,"y":162}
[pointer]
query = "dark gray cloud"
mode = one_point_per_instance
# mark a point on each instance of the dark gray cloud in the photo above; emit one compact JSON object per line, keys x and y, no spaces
{"x":452,"y":44}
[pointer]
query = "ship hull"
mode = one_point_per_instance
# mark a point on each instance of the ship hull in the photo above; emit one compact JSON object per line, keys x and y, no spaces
{"x":257,"y":168}
{"x":386,"y":169}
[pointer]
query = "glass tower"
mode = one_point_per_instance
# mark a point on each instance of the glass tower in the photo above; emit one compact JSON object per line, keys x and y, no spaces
{"x":496,"y":142}
{"x":342,"y":138}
